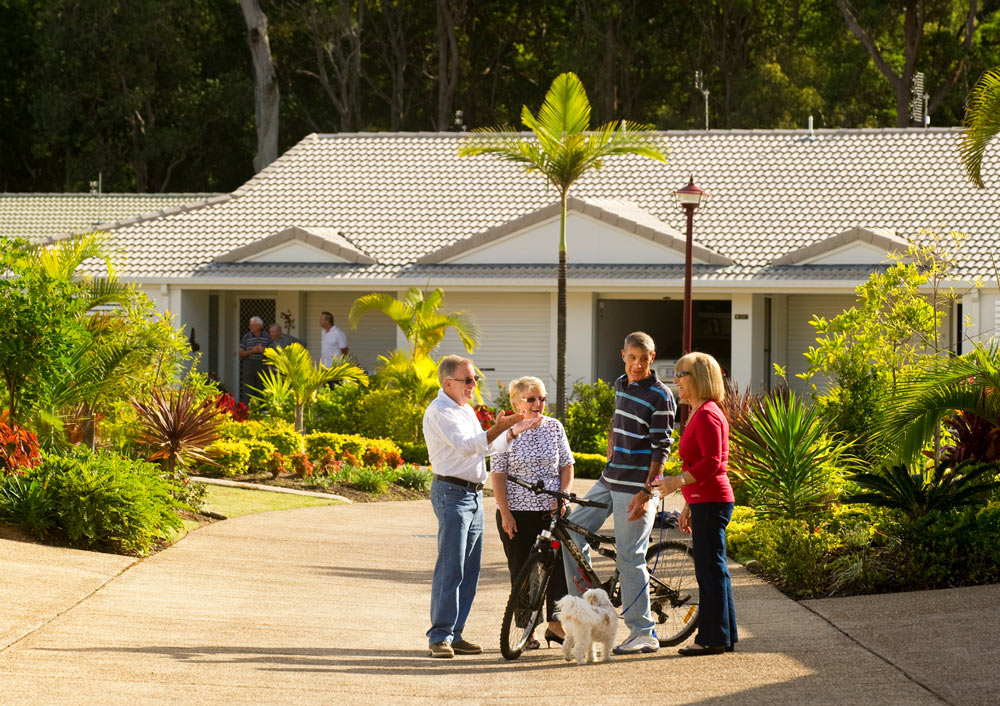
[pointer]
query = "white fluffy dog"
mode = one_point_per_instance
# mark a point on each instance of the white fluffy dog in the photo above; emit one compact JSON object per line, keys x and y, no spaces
{"x":590,"y":622}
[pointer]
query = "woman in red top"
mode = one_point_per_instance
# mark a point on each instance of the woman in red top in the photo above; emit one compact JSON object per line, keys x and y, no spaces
{"x":704,"y":451}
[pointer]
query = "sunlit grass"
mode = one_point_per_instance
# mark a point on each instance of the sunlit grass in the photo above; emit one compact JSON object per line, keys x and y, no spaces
{"x":236,"y":502}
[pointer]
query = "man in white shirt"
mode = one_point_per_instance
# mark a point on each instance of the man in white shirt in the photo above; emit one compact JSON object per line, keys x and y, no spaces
{"x":333,"y":342}
{"x":457,"y":447}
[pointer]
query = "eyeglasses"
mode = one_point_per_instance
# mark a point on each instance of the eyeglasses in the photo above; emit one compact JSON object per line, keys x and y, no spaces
{"x":532,"y":400}
{"x":468,"y":381}
{"x":681,"y":373}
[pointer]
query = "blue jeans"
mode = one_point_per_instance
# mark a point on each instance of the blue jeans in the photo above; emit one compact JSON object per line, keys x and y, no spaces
{"x":460,"y":553}
{"x":717,"y":614}
{"x":631,"y":542}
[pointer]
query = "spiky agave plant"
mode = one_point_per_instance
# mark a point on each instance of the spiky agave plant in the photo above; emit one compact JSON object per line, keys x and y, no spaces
{"x":177,"y":427}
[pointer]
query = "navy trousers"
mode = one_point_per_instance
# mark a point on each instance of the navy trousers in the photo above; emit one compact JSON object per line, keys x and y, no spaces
{"x":717,"y":615}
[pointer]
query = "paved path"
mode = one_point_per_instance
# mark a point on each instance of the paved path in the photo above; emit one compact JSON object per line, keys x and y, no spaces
{"x":328,"y":605}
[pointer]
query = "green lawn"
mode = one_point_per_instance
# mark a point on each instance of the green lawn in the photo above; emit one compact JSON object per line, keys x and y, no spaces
{"x":235,"y":502}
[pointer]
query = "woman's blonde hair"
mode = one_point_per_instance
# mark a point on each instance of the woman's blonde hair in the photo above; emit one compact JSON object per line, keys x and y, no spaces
{"x":706,"y":375}
{"x":518,"y":388}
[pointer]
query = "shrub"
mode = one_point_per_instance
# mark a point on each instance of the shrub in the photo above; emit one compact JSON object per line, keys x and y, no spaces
{"x":588,"y":417}
{"x":177,"y":426}
{"x":371,"y":480}
{"x":18,"y":446}
{"x":232,"y":457}
{"x":260,"y":453}
{"x":336,"y":410}
{"x":279,"y":433}
{"x":26,"y":502}
{"x":589,"y":465}
{"x":414,"y":453}
{"x":356,"y":445}
{"x":414,"y":478}
{"x":99,"y":501}
{"x":237,"y":411}
{"x":301,"y":465}
{"x":390,"y":414}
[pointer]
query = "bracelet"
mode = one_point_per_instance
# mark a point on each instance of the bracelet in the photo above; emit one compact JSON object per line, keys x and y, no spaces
{"x":647,"y":490}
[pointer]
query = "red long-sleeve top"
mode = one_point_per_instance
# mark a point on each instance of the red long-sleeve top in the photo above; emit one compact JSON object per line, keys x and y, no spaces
{"x":704,"y":452}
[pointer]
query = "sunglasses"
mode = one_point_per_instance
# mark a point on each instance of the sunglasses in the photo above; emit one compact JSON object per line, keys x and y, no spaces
{"x":532,"y":400}
{"x":468,"y":381}
{"x":681,"y":373}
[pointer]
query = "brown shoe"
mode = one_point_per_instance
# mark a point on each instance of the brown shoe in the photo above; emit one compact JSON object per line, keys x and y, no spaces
{"x":464,"y":647}
{"x":442,"y":649}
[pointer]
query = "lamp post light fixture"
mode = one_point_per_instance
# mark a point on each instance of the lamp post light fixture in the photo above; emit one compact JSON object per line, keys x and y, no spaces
{"x":688,"y":198}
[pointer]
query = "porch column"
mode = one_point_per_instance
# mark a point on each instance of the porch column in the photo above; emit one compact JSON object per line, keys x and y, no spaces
{"x":746,"y":343}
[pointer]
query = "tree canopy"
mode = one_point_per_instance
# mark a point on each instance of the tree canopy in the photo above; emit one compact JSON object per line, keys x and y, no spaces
{"x":158,"y":95}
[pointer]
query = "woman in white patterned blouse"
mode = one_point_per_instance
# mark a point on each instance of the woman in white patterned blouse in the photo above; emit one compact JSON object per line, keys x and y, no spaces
{"x":541,"y":453}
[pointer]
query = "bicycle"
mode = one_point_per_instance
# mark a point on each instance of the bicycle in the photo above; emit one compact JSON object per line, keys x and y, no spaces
{"x":673,"y":589}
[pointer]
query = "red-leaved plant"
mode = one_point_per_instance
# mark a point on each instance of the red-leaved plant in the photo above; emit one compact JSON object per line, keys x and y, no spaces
{"x":18,"y":446}
{"x":228,"y":404}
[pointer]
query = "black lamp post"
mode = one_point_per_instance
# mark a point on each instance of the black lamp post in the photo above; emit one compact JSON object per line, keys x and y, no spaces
{"x":688,"y":198}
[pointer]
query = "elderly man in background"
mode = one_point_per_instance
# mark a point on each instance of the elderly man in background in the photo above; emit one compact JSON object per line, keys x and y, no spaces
{"x":280,"y":339}
{"x":457,"y":447}
{"x":251,"y":353}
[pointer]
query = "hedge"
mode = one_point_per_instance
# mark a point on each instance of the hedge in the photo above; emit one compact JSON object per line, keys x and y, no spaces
{"x":318,"y":441}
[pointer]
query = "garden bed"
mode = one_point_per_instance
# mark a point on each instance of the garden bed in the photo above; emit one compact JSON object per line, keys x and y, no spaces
{"x":352,"y":493}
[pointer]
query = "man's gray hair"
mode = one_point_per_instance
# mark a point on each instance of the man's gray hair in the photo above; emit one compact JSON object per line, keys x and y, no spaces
{"x":640,"y":340}
{"x":448,"y":366}
{"x":275,"y":325}
{"x":257,"y":319}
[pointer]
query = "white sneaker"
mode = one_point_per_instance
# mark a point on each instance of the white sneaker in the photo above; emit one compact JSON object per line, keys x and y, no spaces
{"x":639,"y":644}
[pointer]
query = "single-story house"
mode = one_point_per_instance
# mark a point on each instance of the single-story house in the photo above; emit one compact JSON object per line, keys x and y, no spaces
{"x":795,"y":221}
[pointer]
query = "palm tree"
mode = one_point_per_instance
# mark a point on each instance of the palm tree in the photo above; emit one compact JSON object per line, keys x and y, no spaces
{"x":417,"y":315}
{"x":982,"y":123}
{"x":969,"y":383}
{"x":562,"y":149}
{"x":295,"y":364}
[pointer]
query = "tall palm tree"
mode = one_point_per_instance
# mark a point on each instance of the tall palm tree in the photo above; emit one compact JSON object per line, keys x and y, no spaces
{"x":982,"y":124}
{"x":419,"y":317}
{"x":295,"y":364}
{"x":969,"y":383}
{"x":562,"y":149}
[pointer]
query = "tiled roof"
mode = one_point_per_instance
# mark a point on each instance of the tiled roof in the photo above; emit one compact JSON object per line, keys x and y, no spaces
{"x":326,"y":240}
{"x":885,"y":240}
{"x":399,"y":197}
{"x":40,"y":216}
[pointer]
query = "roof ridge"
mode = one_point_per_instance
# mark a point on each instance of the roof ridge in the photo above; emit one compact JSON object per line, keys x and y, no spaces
{"x":81,"y":194}
{"x":715,"y":131}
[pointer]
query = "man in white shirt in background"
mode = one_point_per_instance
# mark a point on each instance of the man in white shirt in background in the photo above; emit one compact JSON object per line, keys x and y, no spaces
{"x":333,"y":342}
{"x":457,"y":447}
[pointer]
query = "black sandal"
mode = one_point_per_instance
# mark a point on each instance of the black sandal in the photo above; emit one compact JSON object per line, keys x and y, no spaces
{"x":532,"y":644}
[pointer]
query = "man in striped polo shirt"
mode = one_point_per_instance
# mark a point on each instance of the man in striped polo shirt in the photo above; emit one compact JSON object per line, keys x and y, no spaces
{"x":637,"y":447}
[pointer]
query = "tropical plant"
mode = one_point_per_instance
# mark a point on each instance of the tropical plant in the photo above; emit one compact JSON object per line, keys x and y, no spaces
{"x":177,"y":427}
{"x":971,"y":438}
{"x":788,"y":461}
{"x":18,"y":446}
{"x":945,"y":486}
{"x":588,"y":418}
{"x":562,"y":149}
{"x":982,"y":123}
{"x":419,"y":317}
{"x":274,"y":398}
{"x":969,"y":383}
{"x":304,"y":378}
{"x":414,"y":375}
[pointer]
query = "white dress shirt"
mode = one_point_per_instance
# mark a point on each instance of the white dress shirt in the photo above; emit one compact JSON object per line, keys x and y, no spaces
{"x":456,"y":441}
{"x":331,"y":343}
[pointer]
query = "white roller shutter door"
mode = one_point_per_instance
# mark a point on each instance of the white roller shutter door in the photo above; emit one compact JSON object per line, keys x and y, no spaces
{"x":516,"y":328}
{"x":801,"y":309}
{"x":375,"y":335}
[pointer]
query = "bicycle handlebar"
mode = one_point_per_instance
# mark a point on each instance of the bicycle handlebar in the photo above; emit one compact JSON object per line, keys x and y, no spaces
{"x":538,"y":488}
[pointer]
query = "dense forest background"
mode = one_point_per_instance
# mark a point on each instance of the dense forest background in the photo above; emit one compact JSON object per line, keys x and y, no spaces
{"x":159,"y":95}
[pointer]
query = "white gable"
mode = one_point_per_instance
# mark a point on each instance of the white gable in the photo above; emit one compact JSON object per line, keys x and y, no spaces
{"x":294,"y":251}
{"x":856,"y":253}
{"x":588,"y":241}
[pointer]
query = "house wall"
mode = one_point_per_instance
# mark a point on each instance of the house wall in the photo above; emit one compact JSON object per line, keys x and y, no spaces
{"x":375,"y":335}
{"x":516,"y":329}
{"x":193,"y":314}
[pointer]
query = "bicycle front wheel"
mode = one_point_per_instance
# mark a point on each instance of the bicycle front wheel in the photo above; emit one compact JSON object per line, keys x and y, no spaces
{"x":673,"y":591}
{"x":525,"y":605}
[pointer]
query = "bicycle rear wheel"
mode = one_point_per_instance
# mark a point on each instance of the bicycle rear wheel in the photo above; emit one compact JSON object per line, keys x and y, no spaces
{"x":525,"y":605}
{"x":673,"y":591}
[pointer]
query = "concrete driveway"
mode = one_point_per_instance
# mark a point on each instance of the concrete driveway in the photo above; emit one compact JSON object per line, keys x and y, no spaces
{"x":329,"y":605}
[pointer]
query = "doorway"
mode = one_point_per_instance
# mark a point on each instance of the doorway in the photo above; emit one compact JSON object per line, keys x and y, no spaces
{"x":663,"y":319}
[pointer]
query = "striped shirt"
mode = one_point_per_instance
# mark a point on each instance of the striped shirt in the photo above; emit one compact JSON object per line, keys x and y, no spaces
{"x":640,"y":432}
